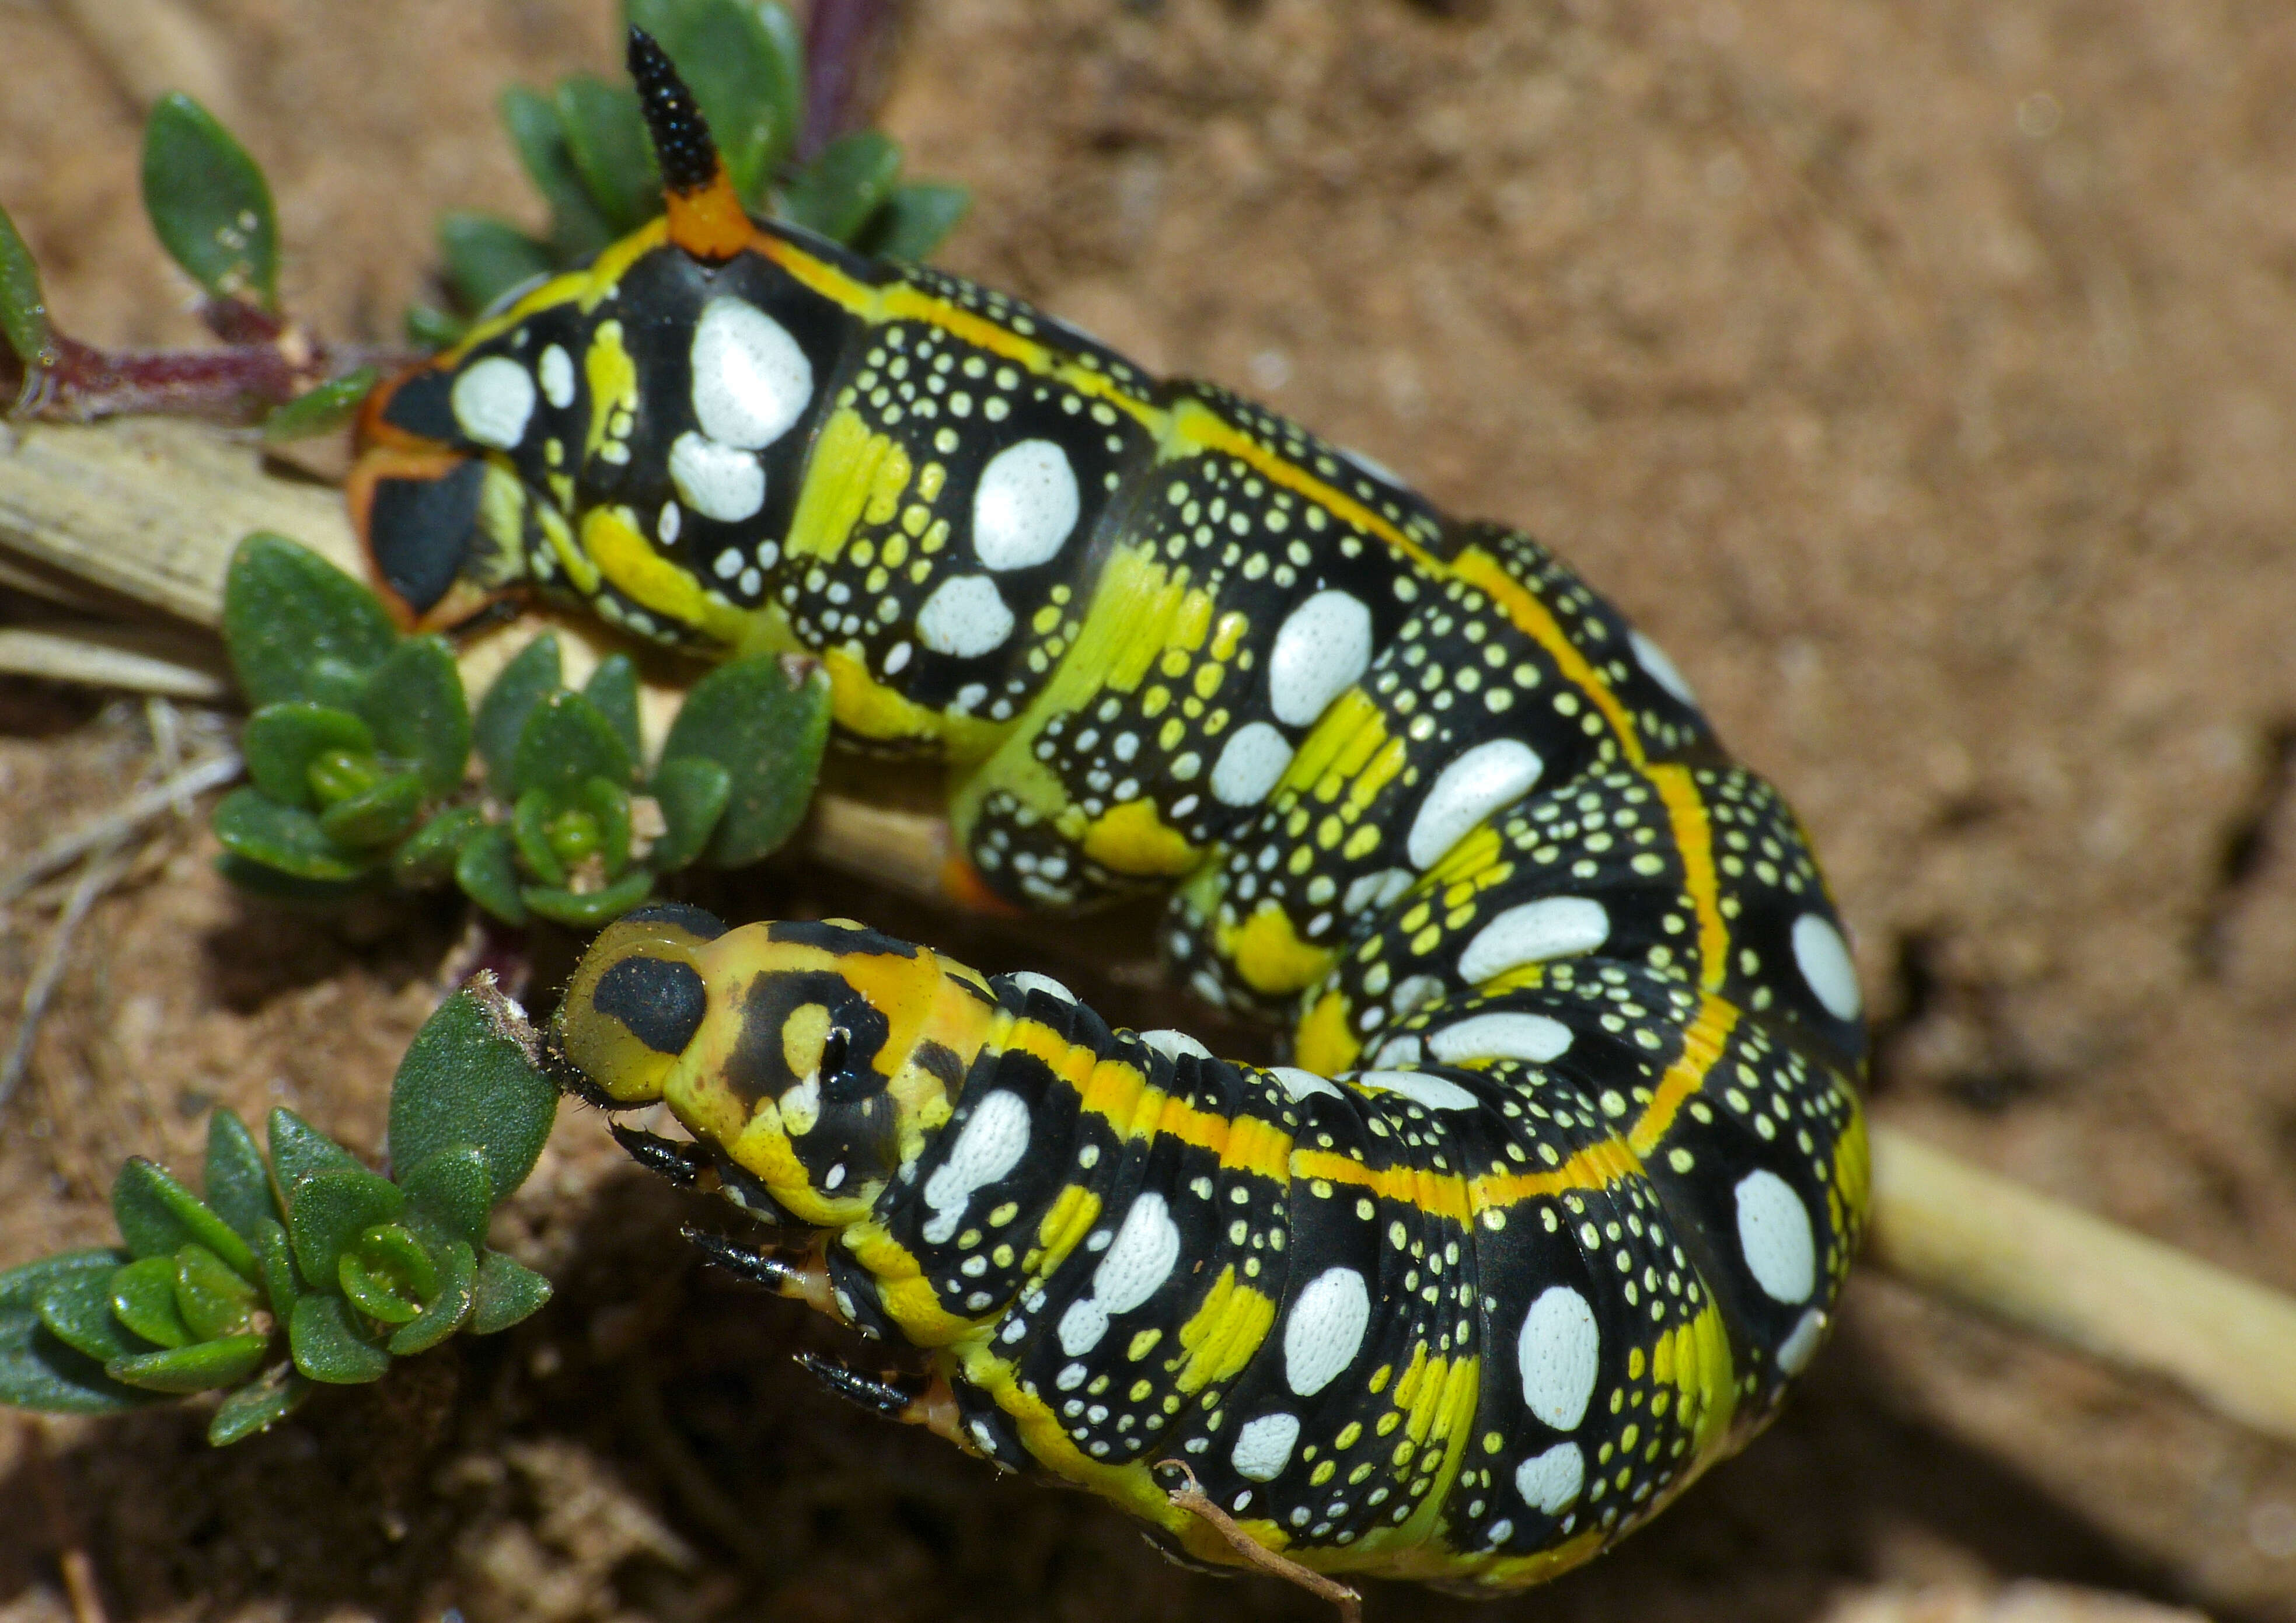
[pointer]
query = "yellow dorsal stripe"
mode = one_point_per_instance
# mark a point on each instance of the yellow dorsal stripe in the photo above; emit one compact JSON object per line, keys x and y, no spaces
{"x":1694,"y":839}
{"x":1531,"y":617}
{"x":1701,"y":1047}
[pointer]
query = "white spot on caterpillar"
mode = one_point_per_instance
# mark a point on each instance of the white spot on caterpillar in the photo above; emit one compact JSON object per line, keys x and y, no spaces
{"x":1326,"y":1330}
{"x":1433,"y":1092}
{"x":988,"y":1146}
{"x":1025,"y":507}
{"x":494,"y":400}
{"x":1413,"y":992}
{"x":1823,"y":956}
{"x":1172,"y":1044}
{"x":1255,"y":756}
{"x":1263,"y":1447}
{"x":556,"y":371}
{"x":1376,"y":890}
{"x":1557,"y":1357}
{"x":1652,"y":659}
{"x":964,"y":618}
{"x":751,"y":379}
{"x":1802,"y":1341}
{"x":1297,"y":1084}
{"x":1471,"y":788}
{"x":1029,"y":981}
{"x":717,"y":481}
{"x":1549,"y":1481}
{"x":1536,"y":1038}
{"x":1774,"y":1233}
{"x":1555,"y":927}
{"x":1139,"y":1260}
{"x":1321,"y":647}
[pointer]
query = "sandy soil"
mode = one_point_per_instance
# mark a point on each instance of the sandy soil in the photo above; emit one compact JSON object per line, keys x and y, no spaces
{"x":1920,"y":374}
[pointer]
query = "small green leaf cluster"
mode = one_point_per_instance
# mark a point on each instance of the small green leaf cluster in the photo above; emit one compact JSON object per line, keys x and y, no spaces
{"x":361,"y":749}
{"x":305,"y":1247}
{"x":584,"y":145}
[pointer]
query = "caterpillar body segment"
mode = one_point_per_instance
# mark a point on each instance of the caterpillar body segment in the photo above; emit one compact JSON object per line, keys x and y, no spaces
{"x":1467,"y":1317}
{"x":1560,"y":1192}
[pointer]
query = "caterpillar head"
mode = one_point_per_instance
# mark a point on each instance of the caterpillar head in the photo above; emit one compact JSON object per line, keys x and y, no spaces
{"x":815,"y":1054}
{"x":610,"y":434}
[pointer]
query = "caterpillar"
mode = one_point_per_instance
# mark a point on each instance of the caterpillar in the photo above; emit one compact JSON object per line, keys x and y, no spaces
{"x":1557,"y":1195}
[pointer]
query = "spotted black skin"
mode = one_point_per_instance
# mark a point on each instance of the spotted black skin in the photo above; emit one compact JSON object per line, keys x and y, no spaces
{"x":1559,"y":1191}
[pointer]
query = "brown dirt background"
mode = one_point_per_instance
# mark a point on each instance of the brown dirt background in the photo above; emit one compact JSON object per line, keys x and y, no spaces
{"x":1923,"y":375}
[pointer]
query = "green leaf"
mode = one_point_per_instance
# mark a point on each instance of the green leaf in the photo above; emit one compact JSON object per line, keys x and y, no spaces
{"x":299,"y":1150}
{"x":590,"y":909}
{"x":200,"y":1367}
{"x":427,"y":857}
{"x":609,"y":805}
{"x":251,"y":826}
{"x":24,"y":307}
{"x":691,"y":792}
{"x":296,"y":626}
{"x":465,"y":1081}
{"x":208,"y":204}
{"x":415,"y":703}
{"x":238,"y":1185}
{"x":486,"y":258}
{"x":613,"y":688}
{"x":77,"y":1309}
{"x":312,"y":895}
{"x":376,"y":816}
{"x":449,"y":1306}
{"x":323,"y":408}
{"x":276,"y":1253}
{"x":787,"y":91}
{"x":40,"y":1371}
{"x":530,"y":830}
{"x":507,"y":1292}
{"x":144,"y":1298}
{"x":158,"y":1217}
{"x":529,"y":678}
{"x":379,"y":1278}
{"x":454,"y":1189}
{"x":215,"y":1302}
{"x":328,"y":1211}
{"x":258,"y":1405}
{"x":606,"y":136}
{"x":23,"y":1286}
{"x":282,"y":740}
{"x":768,"y":731}
{"x":838,"y":192}
{"x":428,"y":327}
{"x":565,"y":740}
{"x":489,"y":877}
{"x":577,"y":230}
{"x":331,"y":1345}
{"x":916,"y":220}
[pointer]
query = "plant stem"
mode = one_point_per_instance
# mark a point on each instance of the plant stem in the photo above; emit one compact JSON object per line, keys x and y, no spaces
{"x":844,"y":44}
{"x":263,"y":362}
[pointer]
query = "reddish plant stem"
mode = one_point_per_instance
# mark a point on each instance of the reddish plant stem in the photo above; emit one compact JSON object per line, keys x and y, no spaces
{"x":265,"y":361}
{"x":844,"y":41}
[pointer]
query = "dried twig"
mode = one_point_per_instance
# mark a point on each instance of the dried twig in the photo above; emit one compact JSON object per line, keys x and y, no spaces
{"x":1963,"y":1234}
{"x":98,"y":877}
{"x":118,"y":823}
{"x":1180,"y":1486}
